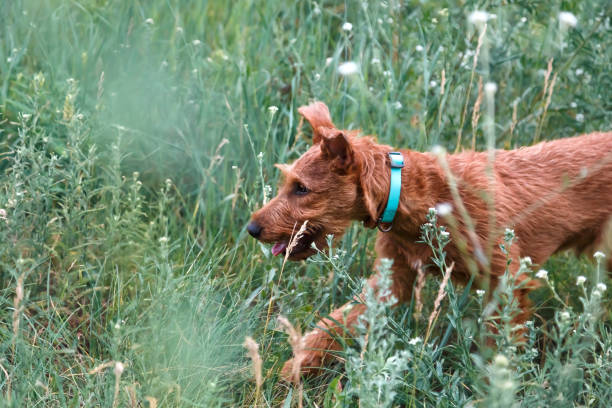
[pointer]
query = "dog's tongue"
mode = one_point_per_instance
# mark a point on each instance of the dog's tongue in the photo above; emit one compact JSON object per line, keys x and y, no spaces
{"x":278,"y":248}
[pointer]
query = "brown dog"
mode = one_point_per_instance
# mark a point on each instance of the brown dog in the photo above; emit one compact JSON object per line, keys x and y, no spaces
{"x":555,"y":195}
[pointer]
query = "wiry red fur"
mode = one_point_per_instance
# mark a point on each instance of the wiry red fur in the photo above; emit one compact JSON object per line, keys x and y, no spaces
{"x":555,"y":195}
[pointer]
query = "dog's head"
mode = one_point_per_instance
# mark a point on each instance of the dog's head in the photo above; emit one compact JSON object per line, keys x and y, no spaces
{"x":321,"y":193}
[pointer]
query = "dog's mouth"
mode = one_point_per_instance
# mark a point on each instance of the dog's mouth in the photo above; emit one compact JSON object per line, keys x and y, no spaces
{"x":300,"y":248}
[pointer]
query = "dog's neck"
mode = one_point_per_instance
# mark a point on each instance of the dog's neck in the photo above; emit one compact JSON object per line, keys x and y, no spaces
{"x":420,"y":175}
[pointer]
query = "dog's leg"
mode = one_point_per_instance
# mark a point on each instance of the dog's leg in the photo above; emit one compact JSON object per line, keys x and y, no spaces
{"x":320,"y":341}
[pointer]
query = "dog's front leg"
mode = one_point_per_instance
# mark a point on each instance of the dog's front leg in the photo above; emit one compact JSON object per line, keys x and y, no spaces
{"x":319,"y":342}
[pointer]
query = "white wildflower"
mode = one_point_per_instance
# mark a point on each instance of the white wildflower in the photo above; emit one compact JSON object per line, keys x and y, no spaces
{"x":444,"y":209}
{"x":163,"y":240}
{"x":580,"y":280}
{"x":272,"y":109}
{"x":196,"y":42}
{"x":599,"y":255}
{"x":579,"y":71}
{"x":119,"y":367}
{"x":564,"y":315}
{"x":387,"y":73}
{"x":579,"y":117}
{"x":445,"y":234}
{"x":375,"y":61}
{"x":479,"y":18}
{"x":500,"y":360}
{"x":573,"y":105}
{"x":2,"y":214}
{"x":542,"y":274}
{"x":328,"y":61}
{"x":490,"y":88}
{"x":480,"y":292}
{"x":523,"y":20}
{"x":415,"y":341}
{"x":602,"y":287}
{"x":397,"y":105}
{"x":347,"y":26}
{"x":149,"y":21}
{"x":433,"y":84}
{"x":419,"y":48}
{"x":348,"y":68}
{"x":567,"y":19}
{"x":179,"y":29}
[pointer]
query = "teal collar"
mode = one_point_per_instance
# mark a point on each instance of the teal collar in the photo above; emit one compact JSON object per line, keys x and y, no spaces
{"x":397,"y":163}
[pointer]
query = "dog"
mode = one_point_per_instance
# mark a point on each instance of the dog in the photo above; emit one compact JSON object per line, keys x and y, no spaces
{"x":555,"y":195}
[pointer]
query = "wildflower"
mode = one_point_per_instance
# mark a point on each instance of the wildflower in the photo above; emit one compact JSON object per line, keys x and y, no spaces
{"x":149,"y":21}
{"x":387,"y":73}
{"x":272,"y":109}
{"x":573,"y":105}
{"x":599,"y":255}
{"x":438,"y":150}
{"x":527,"y":260}
{"x":601,"y":287}
{"x":564,"y":315}
{"x":579,"y":117}
{"x":478,"y":17}
{"x":119,"y":367}
{"x":397,"y":105}
{"x":567,"y":19}
{"x":490,"y":88}
{"x":597,"y":293}
{"x":375,"y":61}
{"x":523,"y":20}
{"x":260,"y":156}
{"x":445,"y":234}
{"x":419,"y":48}
{"x":579,"y":71}
{"x":163,"y":240}
{"x":444,"y":209}
{"x":500,"y":360}
{"x":542,"y":274}
{"x":433,"y":84}
{"x":2,"y":214}
{"x":480,"y":292}
{"x":348,"y":68}
{"x":316,"y":10}
{"x":580,"y":280}
{"x":415,"y":341}
{"x":196,"y":42}
{"x":179,"y":30}
{"x":347,"y":26}
{"x":328,"y":61}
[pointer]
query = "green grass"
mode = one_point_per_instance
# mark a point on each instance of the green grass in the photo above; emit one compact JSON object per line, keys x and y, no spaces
{"x":129,"y":141}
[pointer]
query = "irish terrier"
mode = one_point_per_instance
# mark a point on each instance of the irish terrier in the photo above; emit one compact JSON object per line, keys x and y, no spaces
{"x":556,"y":195}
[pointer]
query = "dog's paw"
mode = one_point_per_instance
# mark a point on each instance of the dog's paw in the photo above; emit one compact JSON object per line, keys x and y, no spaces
{"x":306,"y":363}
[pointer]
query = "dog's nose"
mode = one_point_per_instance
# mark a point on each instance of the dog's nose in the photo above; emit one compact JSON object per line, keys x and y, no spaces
{"x":254,"y":229}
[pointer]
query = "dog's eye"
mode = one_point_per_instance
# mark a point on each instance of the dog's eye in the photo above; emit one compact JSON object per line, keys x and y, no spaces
{"x":300,"y":189}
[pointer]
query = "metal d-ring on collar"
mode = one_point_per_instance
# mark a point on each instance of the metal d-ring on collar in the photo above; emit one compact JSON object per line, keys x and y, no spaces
{"x":397,"y":163}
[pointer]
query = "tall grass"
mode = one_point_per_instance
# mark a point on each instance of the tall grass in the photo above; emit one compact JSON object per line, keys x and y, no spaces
{"x":136,"y":139}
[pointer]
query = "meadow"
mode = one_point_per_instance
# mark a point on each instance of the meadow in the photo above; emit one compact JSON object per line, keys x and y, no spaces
{"x":137,"y":137}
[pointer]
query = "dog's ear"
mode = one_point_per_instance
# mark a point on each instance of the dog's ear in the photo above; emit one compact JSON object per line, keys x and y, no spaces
{"x":336,"y":146}
{"x":318,"y":116}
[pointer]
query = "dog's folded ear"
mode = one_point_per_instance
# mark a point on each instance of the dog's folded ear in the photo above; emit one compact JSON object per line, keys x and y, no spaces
{"x":335,"y":146}
{"x":318,"y":116}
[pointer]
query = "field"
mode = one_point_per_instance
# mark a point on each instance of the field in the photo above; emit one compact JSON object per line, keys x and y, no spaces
{"x":137,"y":137}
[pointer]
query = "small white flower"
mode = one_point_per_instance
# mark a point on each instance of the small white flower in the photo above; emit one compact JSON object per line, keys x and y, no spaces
{"x":542,"y":274}
{"x":580,"y":280}
{"x":599,"y":255}
{"x":567,"y":19}
{"x":260,"y":156}
{"x":387,"y":73}
{"x":163,"y":240}
{"x":432,"y":210}
{"x":579,"y":71}
{"x":523,"y":20}
{"x":444,"y":209}
{"x":375,"y":61}
{"x":348,"y":68}
{"x":415,"y":341}
{"x":397,"y":105}
{"x":119,"y":367}
{"x":316,"y":10}
{"x":579,"y":117}
{"x":597,"y":293}
{"x":179,"y":29}
{"x":272,"y":109}
{"x":564,"y":315}
{"x":347,"y":26}
{"x":479,"y":18}
{"x":196,"y":42}
{"x":419,"y":48}
{"x":149,"y":21}
{"x":573,"y":105}
{"x":527,"y":260}
{"x":2,"y":213}
{"x":480,"y":292}
{"x":433,"y":84}
{"x":500,"y":360}
{"x":438,"y":150}
{"x":445,"y":234}
{"x":490,"y":88}
{"x":328,"y":61}
{"x":317,"y":76}
{"x":601,"y":287}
